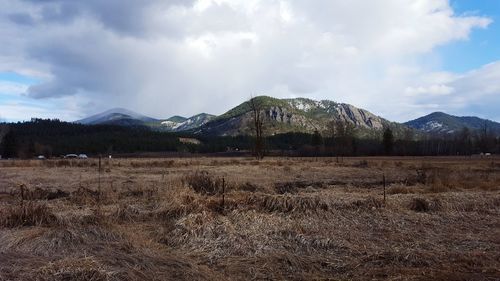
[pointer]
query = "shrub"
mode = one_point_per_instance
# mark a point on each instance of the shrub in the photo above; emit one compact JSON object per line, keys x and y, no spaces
{"x":134,"y":191}
{"x":368,"y":203}
{"x":421,"y":176}
{"x":125,"y":212}
{"x":202,"y":182}
{"x":248,"y":186}
{"x":38,"y":193}
{"x":287,"y":169}
{"x":28,"y":214}
{"x":285,"y":187}
{"x":419,"y":205}
{"x":398,"y":189}
{"x":287,"y":203}
{"x":85,"y":195}
{"x":361,"y":164}
{"x":294,"y":186}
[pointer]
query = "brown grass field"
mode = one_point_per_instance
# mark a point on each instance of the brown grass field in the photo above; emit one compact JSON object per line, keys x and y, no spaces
{"x":242,"y":219}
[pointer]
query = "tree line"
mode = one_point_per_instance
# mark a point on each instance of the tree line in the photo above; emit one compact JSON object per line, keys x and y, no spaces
{"x":343,"y":139}
{"x":53,"y":138}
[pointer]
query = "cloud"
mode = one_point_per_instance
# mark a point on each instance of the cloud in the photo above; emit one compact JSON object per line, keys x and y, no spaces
{"x":50,"y":89}
{"x":434,"y":90}
{"x":473,"y":93}
{"x":13,"y":89}
{"x":184,"y":57}
{"x":15,"y":111}
{"x":21,"y":18}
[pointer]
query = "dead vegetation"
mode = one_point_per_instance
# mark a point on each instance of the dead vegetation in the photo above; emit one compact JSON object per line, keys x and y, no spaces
{"x":287,"y":204}
{"x":38,"y":193}
{"x":27,"y":214}
{"x":241,"y":219}
{"x":204,"y":183}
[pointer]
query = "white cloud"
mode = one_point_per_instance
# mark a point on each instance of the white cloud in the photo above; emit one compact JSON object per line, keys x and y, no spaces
{"x":24,"y":110}
{"x":473,"y":93}
{"x":184,"y":57}
{"x":434,"y":90}
{"x":8,"y":88}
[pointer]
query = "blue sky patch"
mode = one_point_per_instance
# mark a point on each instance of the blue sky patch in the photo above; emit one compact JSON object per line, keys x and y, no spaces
{"x":483,"y":45}
{"x":17,"y":78}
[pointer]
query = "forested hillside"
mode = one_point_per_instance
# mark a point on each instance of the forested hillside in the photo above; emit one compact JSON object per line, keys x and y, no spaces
{"x":53,"y":138}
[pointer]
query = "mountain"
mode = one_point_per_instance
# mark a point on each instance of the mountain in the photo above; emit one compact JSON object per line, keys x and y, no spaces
{"x":179,"y":123}
{"x":118,"y":116}
{"x":176,"y":119}
{"x":279,"y":116}
{"x":292,"y":115}
{"x":442,"y":123}
{"x":125,"y":117}
{"x":297,"y":115}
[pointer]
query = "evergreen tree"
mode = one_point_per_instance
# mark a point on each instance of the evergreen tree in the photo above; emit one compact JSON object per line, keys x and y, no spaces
{"x":317,"y":139}
{"x":9,"y":145}
{"x":388,"y":141}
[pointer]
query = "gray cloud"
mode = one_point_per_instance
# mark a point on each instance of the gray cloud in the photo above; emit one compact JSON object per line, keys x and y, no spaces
{"x":183,"y":57}
{"x":61,"y":13}
{"x":127,"y":17}
{"x":50,"y":89}
{"x":21,"y":18}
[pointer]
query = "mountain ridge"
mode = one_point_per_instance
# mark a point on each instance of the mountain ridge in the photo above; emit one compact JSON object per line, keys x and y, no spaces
{"x":290,"y":115}
{"x":179,"y":123}
{"x":444,"y":123}
{"x":116,"y":116}
{"x":294,"y":115}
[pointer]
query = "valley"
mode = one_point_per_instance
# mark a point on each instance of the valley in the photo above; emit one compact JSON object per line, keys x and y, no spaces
{"x":237,"y":219}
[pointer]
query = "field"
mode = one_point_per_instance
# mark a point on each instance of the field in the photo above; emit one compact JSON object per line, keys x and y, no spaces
{"x":242,"y":219}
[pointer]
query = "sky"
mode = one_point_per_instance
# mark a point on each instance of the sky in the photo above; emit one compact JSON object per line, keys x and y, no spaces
{"x":400,"y":59}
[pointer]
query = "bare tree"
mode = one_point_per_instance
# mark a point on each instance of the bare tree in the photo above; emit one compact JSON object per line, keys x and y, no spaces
{"x":342,"y":134}
{"x":486,"y":138}
{"x":256,"y":108}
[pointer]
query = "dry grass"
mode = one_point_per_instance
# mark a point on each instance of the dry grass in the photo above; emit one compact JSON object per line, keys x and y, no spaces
{"x":202,"y":182}
{"x":287,"y":204}
{"x":278,"y":219}
{"x":27,"y":214}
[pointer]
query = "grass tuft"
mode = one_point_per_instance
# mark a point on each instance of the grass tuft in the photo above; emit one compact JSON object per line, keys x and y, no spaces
{"x":204,"y":183}
{"x":27,"y":214}
{"x":423,"y":205}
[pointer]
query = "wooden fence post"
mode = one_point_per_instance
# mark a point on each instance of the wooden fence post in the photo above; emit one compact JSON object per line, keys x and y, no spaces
{"x":99,"y":180}
{"x":383,"y":179}
{"x":223,"y":192}
{"x":22,"y":194}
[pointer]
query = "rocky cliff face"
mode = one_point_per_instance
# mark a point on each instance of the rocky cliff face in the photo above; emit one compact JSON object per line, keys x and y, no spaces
{"x":320,"y":113}
{"x":289,"y":117}
{"x":359,"y":117}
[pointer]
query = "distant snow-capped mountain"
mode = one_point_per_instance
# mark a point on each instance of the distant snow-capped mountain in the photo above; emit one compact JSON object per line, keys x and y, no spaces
{"x":117,"y":116}
{"x":179,"y":123}
{"x":125,"y":117}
